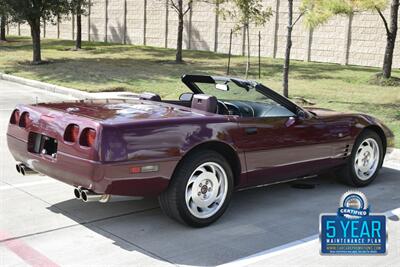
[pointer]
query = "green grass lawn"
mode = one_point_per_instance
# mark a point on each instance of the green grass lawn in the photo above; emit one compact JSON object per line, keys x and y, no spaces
{"x":101,"y":66}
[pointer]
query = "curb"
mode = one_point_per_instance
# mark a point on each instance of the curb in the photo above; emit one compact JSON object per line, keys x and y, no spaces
{"x":395,"y":155}
{"x":392,"y":160}
{"x":46,"y":86}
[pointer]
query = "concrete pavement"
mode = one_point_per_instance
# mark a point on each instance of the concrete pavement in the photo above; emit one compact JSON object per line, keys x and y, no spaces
{"x":41,"y":222}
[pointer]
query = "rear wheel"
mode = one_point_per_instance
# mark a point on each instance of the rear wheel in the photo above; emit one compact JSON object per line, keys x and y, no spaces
{"x":365,"y":161}
{"x":200,"y":190}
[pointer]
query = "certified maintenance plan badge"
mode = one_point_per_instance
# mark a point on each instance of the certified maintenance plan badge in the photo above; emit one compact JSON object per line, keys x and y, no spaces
{"x":353,"y":230}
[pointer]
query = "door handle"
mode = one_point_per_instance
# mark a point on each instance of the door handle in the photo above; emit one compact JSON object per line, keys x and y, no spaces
{"x":251,"y":130}
{"x":290,"y":121}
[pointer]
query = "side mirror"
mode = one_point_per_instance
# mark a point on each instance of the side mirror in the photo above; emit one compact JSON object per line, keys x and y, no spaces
{"x":186,"y":97}
{"x":301,"y":114}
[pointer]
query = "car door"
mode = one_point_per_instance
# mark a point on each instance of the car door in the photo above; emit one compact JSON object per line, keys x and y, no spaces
{"x":285,"y":147}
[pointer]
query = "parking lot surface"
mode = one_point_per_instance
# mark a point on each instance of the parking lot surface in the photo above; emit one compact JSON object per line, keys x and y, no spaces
{"x":41,"y":224}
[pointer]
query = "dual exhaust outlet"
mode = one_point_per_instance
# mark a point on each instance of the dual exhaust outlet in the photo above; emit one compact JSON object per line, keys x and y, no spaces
{"x":89,"y":196}
{"x":24,"y":170}
{"x":80,"y":193}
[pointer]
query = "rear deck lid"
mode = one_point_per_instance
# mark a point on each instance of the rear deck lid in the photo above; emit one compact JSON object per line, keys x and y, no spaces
{"x":121,"y":110}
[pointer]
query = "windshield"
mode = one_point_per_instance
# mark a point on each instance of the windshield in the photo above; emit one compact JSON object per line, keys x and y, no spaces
{"x":241,"y":97}
{"x":235,"y":92}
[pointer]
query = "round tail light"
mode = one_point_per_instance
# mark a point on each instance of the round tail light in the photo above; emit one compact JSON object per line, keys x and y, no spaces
{"x":88,"y":137}
{"x":25,"y":120}
{"x":15,"y":117}
{"x":71,"y":133}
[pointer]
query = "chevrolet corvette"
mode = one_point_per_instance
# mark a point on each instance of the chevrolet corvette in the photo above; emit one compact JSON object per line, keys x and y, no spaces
{"x":222,"y":135}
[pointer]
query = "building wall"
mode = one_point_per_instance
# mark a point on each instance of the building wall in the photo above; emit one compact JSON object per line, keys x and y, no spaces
{"x":155,"y":23}
{"x":358,"y":40}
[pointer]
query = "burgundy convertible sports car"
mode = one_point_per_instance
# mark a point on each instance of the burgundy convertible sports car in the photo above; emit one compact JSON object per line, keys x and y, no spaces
{"x":192,"y":153}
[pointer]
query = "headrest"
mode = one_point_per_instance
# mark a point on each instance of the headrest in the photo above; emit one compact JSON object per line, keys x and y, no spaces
{"x":205,"y":103}
{"x":149,"y":96}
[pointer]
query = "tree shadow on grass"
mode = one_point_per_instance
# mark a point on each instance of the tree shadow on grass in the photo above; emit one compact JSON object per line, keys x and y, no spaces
{"x":299,"y":69}
{"x":140,"y":64}
{"x":157,"y":52}
{"x":83,"y":69}
{"x":108,"y":48}
{"x":157,"y":66}
{"x":24,"y":43}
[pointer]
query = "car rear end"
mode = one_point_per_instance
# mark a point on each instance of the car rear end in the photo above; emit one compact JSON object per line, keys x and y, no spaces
{"x":101,"y":146}
{"x":61,"y":145}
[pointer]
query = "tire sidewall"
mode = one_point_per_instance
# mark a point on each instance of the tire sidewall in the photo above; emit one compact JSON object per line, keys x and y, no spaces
{"x":365,"y":135}
{"x":183,"y":175}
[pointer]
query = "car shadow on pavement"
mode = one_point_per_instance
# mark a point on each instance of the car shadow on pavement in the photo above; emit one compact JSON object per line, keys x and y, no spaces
{"x":258,"y":219}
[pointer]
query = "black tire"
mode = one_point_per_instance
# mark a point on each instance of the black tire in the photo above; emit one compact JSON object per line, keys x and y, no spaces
{"x":173,"y":202}
{"x":347,"y":173}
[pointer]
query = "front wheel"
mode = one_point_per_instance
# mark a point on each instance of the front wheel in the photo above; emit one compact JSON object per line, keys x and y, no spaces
{"x":365,"y":161}
{"x":200,"y":190}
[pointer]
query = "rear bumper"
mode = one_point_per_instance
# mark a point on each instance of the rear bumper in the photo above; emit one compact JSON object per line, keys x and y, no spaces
{"x":102,"y":178}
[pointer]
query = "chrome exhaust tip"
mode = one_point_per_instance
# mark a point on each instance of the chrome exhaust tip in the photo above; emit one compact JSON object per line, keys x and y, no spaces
{"x":22,"y":169}
{"x":77,"y":193}
{"x":17,"y":166}
{"x":89,"y":196}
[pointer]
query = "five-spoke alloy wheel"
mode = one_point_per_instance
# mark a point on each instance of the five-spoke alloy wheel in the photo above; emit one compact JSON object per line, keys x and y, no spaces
{"x":200,"y":189}
{"x":365,"y":161}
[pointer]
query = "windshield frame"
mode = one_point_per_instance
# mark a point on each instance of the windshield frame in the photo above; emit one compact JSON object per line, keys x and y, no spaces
{"x":191,"y":80}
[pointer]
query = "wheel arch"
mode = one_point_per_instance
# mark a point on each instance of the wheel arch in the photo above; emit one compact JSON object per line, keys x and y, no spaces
{"x":380,"y":132}
{"x":222,"y":148}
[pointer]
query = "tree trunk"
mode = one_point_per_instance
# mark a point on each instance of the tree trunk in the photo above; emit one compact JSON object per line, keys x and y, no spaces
{"x":229,"y":53}
{"x":3,"y":28}
{"x":178,"y":58}
{"x":248,"y":50}
{"x":78,"y":41}
{"x":35,"y":33}
{"x":287,"y":52}
{"x":390,"y":40}
{"x":388,"y":57}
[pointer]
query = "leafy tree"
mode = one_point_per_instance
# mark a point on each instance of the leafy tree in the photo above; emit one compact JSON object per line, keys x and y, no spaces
{"x":181,"y":7}
{"x":246,"y":12}
{"x":322,"y":10}
{"x":79,"y":8}
{"x":32,"y":11}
